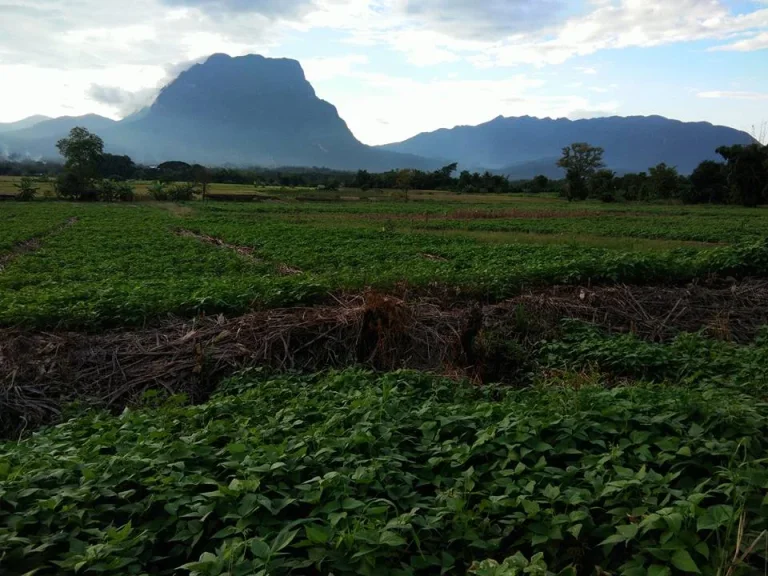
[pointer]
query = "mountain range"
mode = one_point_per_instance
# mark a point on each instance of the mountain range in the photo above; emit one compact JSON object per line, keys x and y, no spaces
{"x":257,"y":111}
{"x":528,"y":146}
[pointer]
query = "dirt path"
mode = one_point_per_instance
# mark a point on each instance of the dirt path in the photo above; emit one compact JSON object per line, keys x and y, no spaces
{"x":33,"y":244}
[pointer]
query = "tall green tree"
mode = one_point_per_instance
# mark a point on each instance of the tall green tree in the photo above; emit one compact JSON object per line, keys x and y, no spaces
{"x":404,"y":181}
{"x":82,"y":151}
{"x":746,"y":168}
{"x":664,"y":181}
{"x":581,"y":161}
{"x":709,"y":183}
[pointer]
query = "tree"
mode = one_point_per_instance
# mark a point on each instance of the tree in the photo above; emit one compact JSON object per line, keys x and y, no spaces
{"x":404,"y":181}
{"x":117,"y":168}
{"x":447,"y":171}
{"x":580,"y":161}
{"x":746,"y":169}
{"x":202,"y":178}
{"x":83,"y":152}
{"x":539,"y":184}
{"x":709,"y":183}
{"x":602,"y":185}
{"x":665,"y":181}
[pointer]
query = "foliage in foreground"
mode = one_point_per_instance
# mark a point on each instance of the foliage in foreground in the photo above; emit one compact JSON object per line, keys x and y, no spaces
{"x":405,"y":473}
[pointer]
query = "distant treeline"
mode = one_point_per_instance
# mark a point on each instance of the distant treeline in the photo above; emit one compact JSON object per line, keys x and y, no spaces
{"x":742,"y":178}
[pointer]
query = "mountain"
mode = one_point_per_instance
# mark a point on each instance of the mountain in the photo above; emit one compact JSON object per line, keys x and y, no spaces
{"x":524,"y":147}
{"x":248,"y":110}
{"x":39,"y":140}
{"x":22,"y":124}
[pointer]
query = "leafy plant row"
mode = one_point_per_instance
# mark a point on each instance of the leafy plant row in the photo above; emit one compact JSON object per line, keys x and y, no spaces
{"x":123,"y":265}
{"x":689,"y":358}
{"x":405,"y":473}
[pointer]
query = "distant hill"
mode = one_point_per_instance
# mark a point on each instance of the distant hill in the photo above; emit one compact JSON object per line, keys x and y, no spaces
{"x":39,"y":140}
{"x":256,"y":111}
{"x":524,"y":147}
{"x":22,"y":124}
{"x":250,"y":110}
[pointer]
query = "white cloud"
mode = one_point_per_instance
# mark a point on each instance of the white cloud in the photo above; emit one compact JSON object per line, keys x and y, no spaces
{"x":733,"y":95}
{"x":320,"y":69}
{"x":103,"y":56}
{"x":629,"y":23}
{"x":405,"y":106}
{"x":757,"y":42}
{"x":486,"y":20}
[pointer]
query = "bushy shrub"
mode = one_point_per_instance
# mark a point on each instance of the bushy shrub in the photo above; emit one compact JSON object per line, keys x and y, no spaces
{"x":26,"y":189}
{"x":178,"y":192}
{"x":110,"y":191}
{"x":182,"y":191}
{"x":74,"y":187}
{"x":158,"y":191}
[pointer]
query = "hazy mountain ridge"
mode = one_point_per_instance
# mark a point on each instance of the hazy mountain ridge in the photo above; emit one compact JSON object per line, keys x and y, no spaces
{"x":257,"y":111}
{"x":248,"y":110}
{"x":22,"y":124}
{"x":519,"y":145}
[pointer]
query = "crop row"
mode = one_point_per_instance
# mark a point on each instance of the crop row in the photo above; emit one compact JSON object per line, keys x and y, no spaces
{"x":128,"y":264}
{"x":21,"y":222}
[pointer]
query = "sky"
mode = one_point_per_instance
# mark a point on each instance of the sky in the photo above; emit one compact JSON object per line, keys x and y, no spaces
{"x":395,"y":68}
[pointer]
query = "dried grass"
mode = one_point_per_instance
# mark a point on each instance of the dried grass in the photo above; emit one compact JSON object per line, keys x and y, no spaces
{"x":40,"y":372}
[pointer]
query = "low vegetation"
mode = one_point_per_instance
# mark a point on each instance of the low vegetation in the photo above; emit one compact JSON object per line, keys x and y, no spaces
{"x":355,"y":473}
{"x":590,"y":396}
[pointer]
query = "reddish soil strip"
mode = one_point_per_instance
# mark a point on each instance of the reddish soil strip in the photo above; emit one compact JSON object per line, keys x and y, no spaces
{"x":32,"y":245}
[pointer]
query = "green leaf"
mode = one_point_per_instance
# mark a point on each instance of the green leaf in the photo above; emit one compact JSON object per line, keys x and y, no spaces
{"x":658,"y":570}
{"x":715,"y":517}
{"x":283,"y":539}
{"x":614,"y":539}
{"x":391,"y":539}
{"x":531,"y":508}
{"x":335,"y":517}
{"x":682,"y":560}
{"x":551,"y":492}
{"x":675,"y":522}
{"x":628,"y":531}
{"x":317,"y":534}
{"x":575,"y":530}
{"x":259,"y":548}
{"x":578,"y":515}
{"x":352,"y":504}
{"x":702,"y":549}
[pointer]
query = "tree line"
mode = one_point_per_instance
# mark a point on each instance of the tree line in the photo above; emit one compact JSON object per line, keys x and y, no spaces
{"x":89,"y":173}
{"x":742,"y":178}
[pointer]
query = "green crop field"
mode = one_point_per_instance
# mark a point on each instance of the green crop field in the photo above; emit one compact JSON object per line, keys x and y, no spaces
{"x":352,"y":383}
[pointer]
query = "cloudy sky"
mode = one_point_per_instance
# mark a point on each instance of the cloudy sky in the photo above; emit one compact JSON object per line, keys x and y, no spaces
{"x":395,"y":68}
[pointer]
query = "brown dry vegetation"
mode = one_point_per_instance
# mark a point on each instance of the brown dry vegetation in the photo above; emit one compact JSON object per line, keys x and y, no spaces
{"x":42,"y":372}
